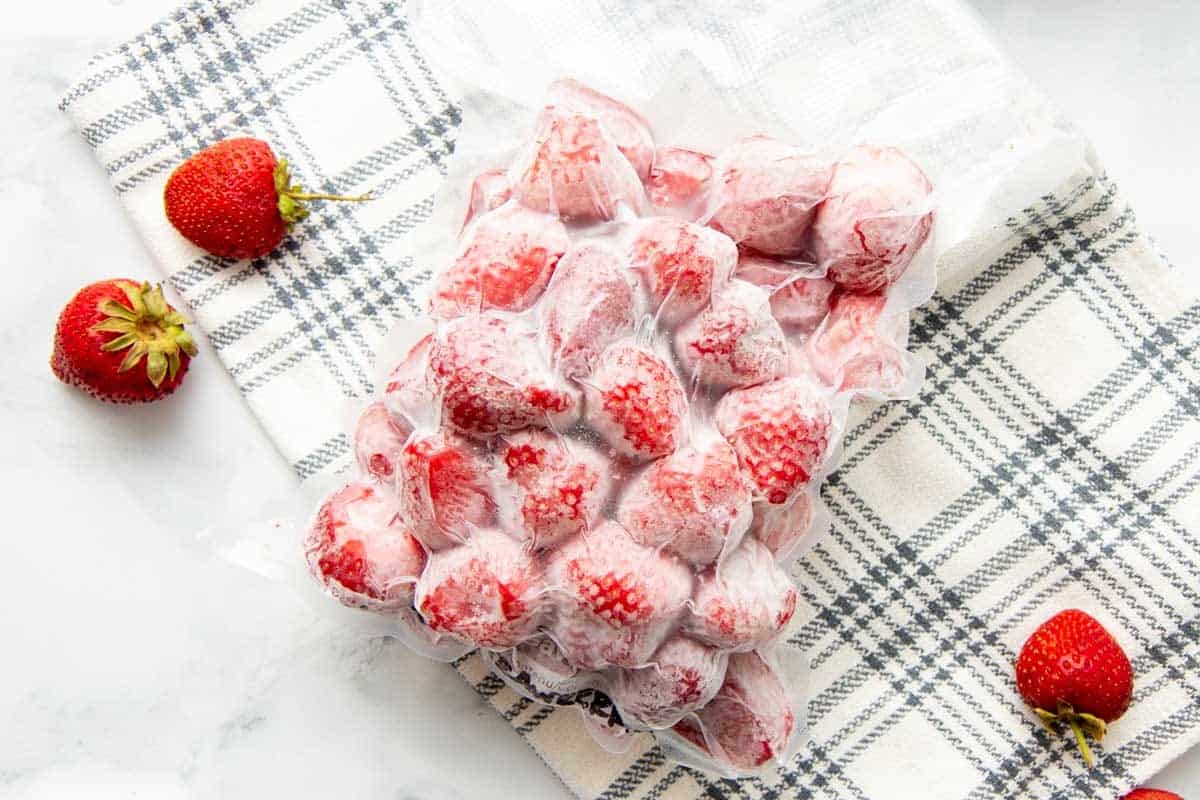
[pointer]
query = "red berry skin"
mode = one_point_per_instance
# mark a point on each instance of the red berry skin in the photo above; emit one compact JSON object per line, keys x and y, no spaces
{"x":1151,"y":794}
{"x":77,"y":359}
{"x":1072,"y":659}
{"x":636,"y":403}
{"x":223,"y":199}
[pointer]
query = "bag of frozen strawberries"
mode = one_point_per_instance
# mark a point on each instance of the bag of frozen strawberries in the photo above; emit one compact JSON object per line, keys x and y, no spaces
{"x":596,"y":457}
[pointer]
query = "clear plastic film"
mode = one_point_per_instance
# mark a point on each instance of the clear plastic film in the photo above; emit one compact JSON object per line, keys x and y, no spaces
{"x":658,"y":287}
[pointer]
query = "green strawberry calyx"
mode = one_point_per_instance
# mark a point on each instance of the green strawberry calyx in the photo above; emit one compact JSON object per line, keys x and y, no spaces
{"x":148,"y":328}
{"x":1080,"y":724}
{"x":292,"y":196}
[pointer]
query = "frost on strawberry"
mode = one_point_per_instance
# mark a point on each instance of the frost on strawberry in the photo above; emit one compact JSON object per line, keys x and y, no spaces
{"x":856,"y":348}
{"x":691,"y":502}
{"x":378,"y":440}
{"x":360,"y":549}
{"x":681,"y":264}
{"x":749,"y":721}
{"x":875,"y":218}
{"x":782,"y":528}
{"x":408,"y":394}
{"x":617,"y":600}
{"x":590,"y":303}
{"x":574,"y":170}
{"x":489,"y":191}
{"x":735,"y":341}
{"x":743,"y":602}
{"x":505,"y":263}
{"x":627,"y":129}
{"x":780,"y":432}
{"x":765,"y":193}
{"x":679,"y":179}
{"x":635,"y":402}
{"x":491,"y":379}
{"x":799,"y":302}
{"x":683,"y":675}
{"x":485,"y":591}
{"x":548,"y":488}
{"x":444,"y":489}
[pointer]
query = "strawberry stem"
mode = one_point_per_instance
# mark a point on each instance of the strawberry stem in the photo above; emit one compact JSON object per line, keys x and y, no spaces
{"x":318,"y":196}
{"x":1083,"y":745}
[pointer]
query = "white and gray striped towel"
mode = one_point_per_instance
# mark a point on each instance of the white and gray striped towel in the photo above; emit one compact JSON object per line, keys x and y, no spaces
{"x":1051,"y":459}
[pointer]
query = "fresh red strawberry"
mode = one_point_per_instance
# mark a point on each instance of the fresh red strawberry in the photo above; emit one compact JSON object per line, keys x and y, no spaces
{"x":508,"y":258}
{"x":635,"y":402}
{"x":548,"y":488}
{"x":617,"y":599}
{"x":485,"y":591}
{"x":1151,"y":794}
{"x":235,"y":200}
{"x":492,"y":381}
{"x":443,"y":487}
{"x":780,"y":431}
{"x":1072,"y":670}
{"x":107,"y":329}
{"x":358,"y":547}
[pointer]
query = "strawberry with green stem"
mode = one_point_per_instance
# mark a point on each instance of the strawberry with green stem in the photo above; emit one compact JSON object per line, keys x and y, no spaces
{"x":236,"y":200}
{"x":106,"y":332}
{"x":1072,"y":671}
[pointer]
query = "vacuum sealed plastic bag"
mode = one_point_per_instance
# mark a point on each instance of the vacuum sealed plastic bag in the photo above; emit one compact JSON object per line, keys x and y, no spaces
{"x":654,"y":298}
{"x":598,"y":455}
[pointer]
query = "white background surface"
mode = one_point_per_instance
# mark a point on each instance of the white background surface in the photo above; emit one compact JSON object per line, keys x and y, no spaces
{"x":133,"y":663}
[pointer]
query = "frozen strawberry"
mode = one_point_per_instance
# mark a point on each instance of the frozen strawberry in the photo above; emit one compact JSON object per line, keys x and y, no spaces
{"x":378,"y":440}
{"x":682,"y":676}
{"x":361,"y":551}
{"x":874,"y":220}
{"x":505,"y":264}
{"x":780,"y":432}
{"x":749,"y":721}
{"x":628,"y":130}
{"x":590,"y":304}
{"x":574,"y":170}
{"x":635,"y":402}
{"x":735,"y":341}
{"x":444,"y":488}
{"x":856,"y":347}
{"x":489,"y":191}
{"x":485,"y":591}
{"x":781,"y":528}
{"x":681,"y":264}
{"x":798,"y":302}
{"x":408,"y":393}
{"x":765,"y":193}
{"x":743,"y":601}
{"x":490,"y":374}
{"x":617,"y":600}
{"x":679,"y":178}
{"x":691,"y":502}
{"x":548,"y":487}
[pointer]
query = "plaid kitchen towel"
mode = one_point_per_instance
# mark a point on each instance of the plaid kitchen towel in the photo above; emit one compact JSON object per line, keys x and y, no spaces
{"x":1052,"y":457}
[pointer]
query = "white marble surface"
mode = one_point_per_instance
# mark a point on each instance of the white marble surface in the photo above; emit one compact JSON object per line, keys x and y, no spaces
{"x":134,"y":664}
